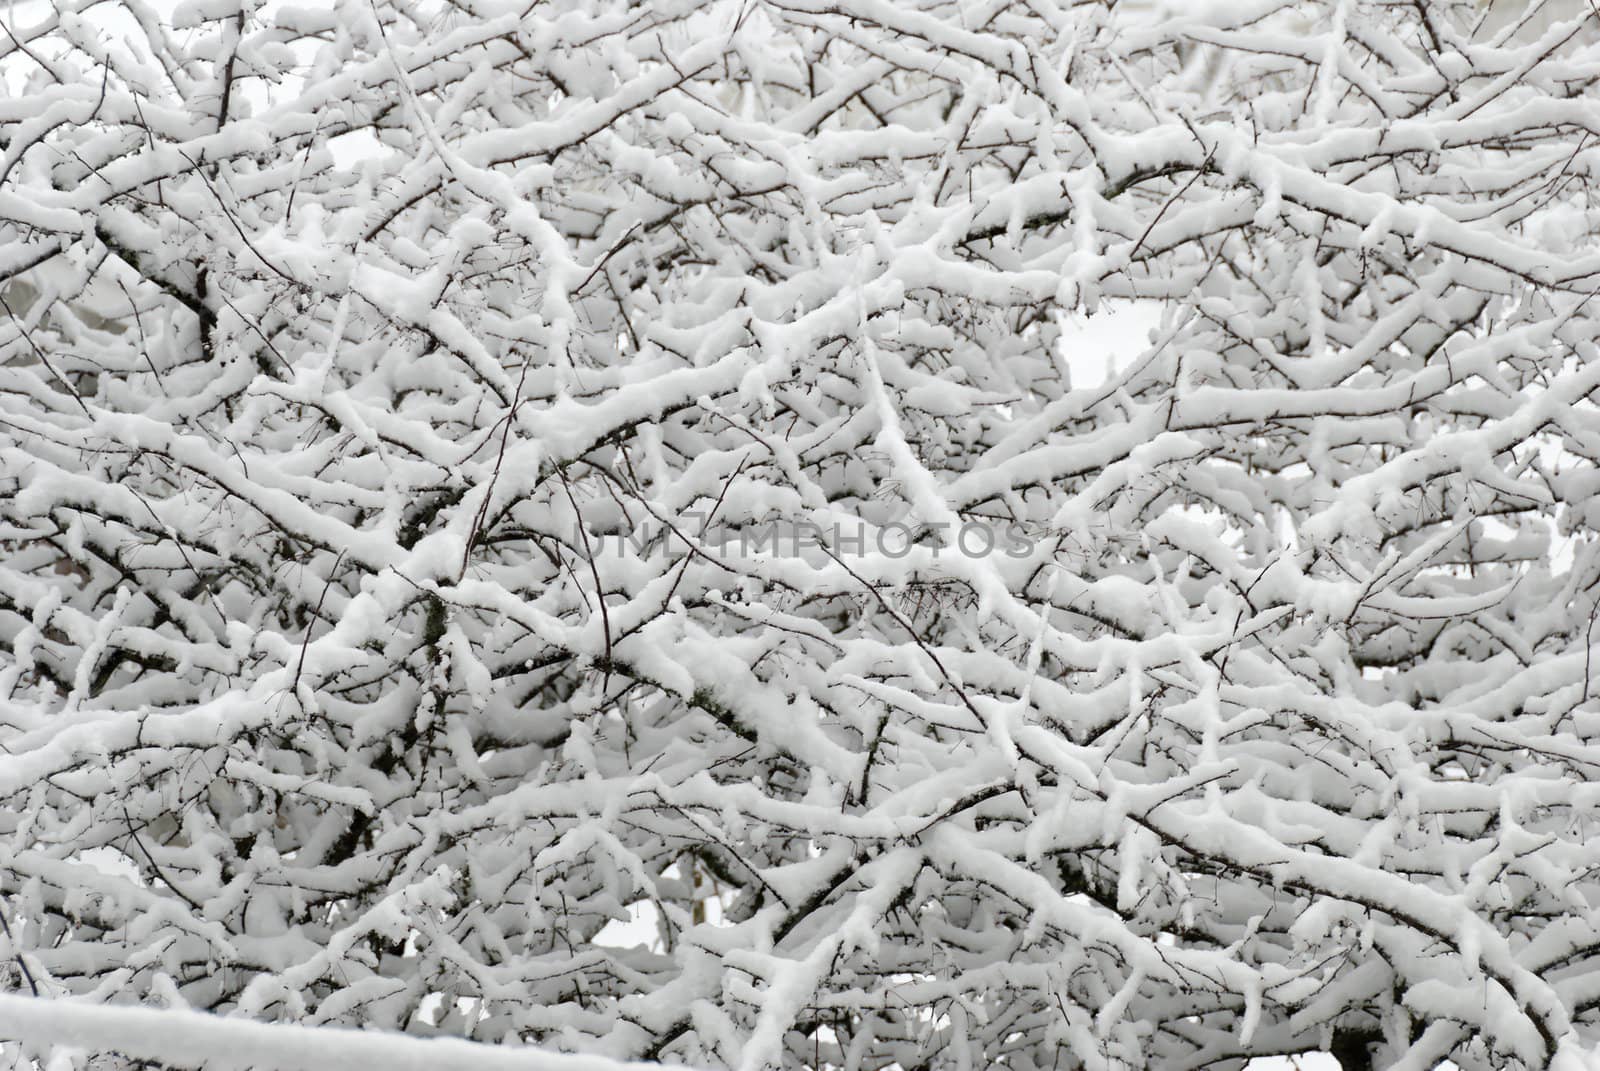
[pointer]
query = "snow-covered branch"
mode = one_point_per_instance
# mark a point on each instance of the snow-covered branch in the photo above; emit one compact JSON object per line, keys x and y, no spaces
{"x":596,"y":526}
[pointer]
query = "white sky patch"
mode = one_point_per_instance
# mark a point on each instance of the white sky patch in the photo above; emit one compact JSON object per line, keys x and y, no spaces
{"x":1097,"y":344}
{"x":641,"y":928}
{"x":350,"y":149}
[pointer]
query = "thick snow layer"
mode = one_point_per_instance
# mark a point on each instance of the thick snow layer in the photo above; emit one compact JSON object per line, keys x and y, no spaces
{"x":183,"y":1038}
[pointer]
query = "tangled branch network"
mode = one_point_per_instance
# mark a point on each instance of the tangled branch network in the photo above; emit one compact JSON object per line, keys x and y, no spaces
{"x":346,"y":348}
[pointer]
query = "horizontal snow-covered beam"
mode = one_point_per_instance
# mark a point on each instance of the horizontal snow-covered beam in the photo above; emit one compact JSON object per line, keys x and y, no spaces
{"x":195,"y":1039}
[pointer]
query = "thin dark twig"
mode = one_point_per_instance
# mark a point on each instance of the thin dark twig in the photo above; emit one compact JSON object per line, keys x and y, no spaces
{"x":305,"y":641}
